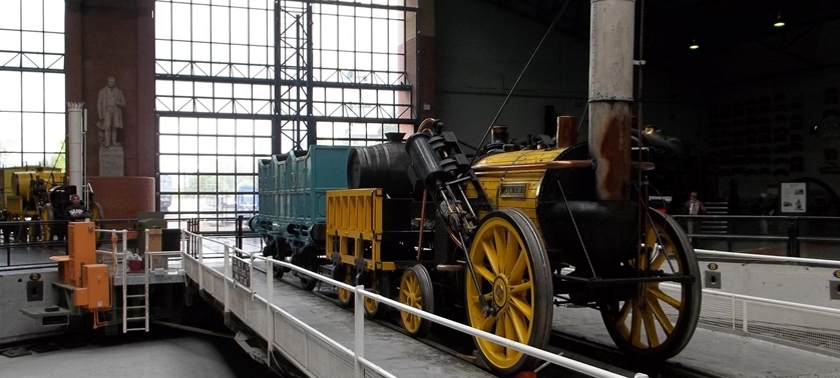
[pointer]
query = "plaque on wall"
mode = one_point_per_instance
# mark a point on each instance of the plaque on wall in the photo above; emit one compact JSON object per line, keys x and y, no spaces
{"x":794,"y":197}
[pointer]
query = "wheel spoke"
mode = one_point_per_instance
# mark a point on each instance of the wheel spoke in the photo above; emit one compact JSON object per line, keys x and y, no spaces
{"x":511,"y":254}
{"x":492,"y":257}
{"x":488,"y":324}
{"x":500,"y":247}
{"x":650,"y":328}
{"x":673,"y":302}
{"x":519,"y":324}
{"x":636,"y":326}
{"x":524,"y":307}
{"x":658,"y":260}
{"x":518,"y":271}
{"x":484,"y":273}
{"x":521,"y":288}
{"x":659,"y":313}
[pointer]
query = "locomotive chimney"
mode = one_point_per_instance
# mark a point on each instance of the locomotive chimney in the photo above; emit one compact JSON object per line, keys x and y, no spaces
{"x":567,"y":132}
{"x":499,"y":135}
{"x":610,"y":92}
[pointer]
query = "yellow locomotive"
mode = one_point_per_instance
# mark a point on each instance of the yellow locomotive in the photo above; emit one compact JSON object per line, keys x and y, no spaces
{"x":506,"y":237}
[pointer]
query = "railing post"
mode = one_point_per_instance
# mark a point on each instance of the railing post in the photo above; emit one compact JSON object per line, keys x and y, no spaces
{"x":199,"y":245}
{"x":733,"y":314}
{"x":251,"y":274}
{"x":793,"y":237}
{"x":226,"y":275}
{"x":269,"y":287}
{"x":359,"y":344}
{"x":239,"y":233}
{"x":744,"y":320}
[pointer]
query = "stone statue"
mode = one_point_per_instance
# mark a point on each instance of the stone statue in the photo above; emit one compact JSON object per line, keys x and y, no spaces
{"x":109,"y":105}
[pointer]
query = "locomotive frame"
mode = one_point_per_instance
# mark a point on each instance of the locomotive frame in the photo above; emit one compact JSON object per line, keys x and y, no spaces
{"x":528,"y":233}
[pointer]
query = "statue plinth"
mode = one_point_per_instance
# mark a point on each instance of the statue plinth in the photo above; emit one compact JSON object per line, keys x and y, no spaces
{"x":111,"y":161}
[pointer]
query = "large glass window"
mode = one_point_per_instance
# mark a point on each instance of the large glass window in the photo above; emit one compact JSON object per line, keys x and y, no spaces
{"x":239,"y":80}
{"x":32,"y":72}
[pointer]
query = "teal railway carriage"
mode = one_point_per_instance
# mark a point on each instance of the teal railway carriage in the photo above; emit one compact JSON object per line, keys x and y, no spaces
{"x":292,"y":203}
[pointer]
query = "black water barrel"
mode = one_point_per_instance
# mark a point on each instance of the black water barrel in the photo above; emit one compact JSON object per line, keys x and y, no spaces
{"x":381,"y":166}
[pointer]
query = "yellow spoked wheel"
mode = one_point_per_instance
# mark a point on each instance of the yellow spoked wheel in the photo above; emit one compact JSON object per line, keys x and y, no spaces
{"x":374,"y":309}
{"x":514,"y":276}
{"x":45,"y":214}
{"x":345,"y":297}
{"x":657,"y":320}
{"x":416,"y":291}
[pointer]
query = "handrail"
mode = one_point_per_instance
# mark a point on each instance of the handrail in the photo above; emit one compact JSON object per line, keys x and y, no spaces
{"x":361,"y":294}
{"x":750,"y":256}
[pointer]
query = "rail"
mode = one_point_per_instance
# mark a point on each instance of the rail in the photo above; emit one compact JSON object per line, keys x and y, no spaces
{"x":229,"y":254}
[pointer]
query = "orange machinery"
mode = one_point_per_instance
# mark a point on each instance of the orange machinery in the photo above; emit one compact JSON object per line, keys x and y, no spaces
{"x":88,"y":282}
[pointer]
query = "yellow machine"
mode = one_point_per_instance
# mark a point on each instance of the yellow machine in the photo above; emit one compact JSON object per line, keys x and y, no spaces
{"x":88,"y":283}
{"x":25,"y":192}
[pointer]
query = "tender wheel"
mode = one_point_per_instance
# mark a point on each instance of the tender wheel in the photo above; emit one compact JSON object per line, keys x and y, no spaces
{"x":515,"y":281}
{"x":272,"y":249}
{"x":45,"y":213}
{"x":345,"y":297}
{"x":416,"y":291}
{"x":657,"y":320}
{"x":381,"y":286}
{"x":308,"y":261}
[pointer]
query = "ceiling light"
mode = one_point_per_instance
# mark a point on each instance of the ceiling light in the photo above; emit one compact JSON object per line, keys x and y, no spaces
{"x":779,"y":22}
{"x":693,"y":45}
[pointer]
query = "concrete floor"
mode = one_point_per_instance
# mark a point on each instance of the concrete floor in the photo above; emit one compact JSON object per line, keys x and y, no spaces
{"x":164,"y":353}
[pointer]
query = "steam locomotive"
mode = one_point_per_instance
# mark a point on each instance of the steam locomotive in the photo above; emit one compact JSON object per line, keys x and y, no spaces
{"x":506,"y":235}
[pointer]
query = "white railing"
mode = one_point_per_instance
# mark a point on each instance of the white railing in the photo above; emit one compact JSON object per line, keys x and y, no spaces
{"x":757,"y":257}
{"x":800,"y":324}
{"x":196,"y":251}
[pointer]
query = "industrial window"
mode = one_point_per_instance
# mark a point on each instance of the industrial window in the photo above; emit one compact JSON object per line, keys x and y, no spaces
{"x":32,"y":72}
{"x":239,"y":80}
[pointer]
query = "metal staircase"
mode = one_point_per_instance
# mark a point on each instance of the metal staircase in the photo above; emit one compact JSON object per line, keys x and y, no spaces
{"x":715,"y":226}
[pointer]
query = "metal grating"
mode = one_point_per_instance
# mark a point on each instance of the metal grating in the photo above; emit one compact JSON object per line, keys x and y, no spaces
{"x":290,"y":339}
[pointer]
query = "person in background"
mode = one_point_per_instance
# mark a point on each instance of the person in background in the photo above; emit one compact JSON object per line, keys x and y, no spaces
{"x":766,"y":207}
{"x":76,"y":211}
{"x":693,"y":207}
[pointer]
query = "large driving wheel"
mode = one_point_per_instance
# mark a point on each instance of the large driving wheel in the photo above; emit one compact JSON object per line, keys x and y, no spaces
{"x":514,"y":278}
{"x":657,"y":320}
{"x":345,"y":297}
{"x":45,"y":213}
{"x":416,"y":291}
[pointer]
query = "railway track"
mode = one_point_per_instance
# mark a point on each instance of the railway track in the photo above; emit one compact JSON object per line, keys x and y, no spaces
{"x":582,"y":349}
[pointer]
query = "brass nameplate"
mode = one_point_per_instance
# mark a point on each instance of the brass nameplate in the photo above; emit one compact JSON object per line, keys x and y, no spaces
{"x":513,"y":190}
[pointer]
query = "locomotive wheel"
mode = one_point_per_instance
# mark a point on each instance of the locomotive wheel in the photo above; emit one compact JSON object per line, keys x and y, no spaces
{"x":381,"y":286}
{"x":45,"y":213}
{"x":345,"y":297}
{"x":416,"y":291}
{"x":513,"y":272}
{"x":650,"y":323}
